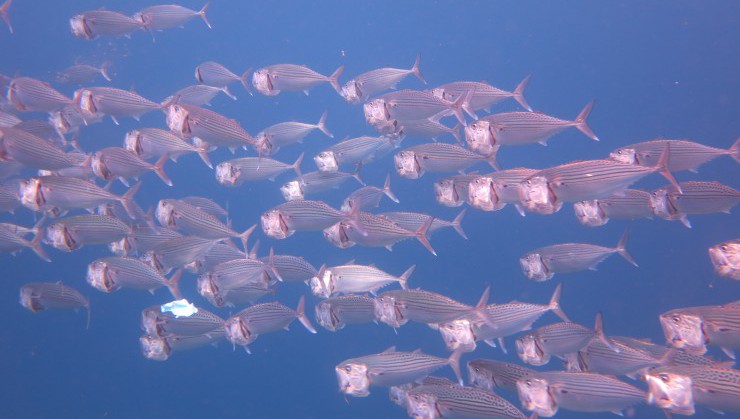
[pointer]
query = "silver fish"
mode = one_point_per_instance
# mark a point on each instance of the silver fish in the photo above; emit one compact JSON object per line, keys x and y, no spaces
{"x":32,"y":151}
{"x":69,"y":120}
{"x":676,"y":203}
{"x":273,"y":138}
{"x":349,"y":151}
{"x":678,"y":389}
{"x":189,"y":121}
{"x":692,"y":328}
{"x":8,"y":119}
{"x":399,"y":394}
{"x":453,"y":191}
{"x":445,"y":401}
{"x":315,"y":182}
{"x":398,"y":307}
{"x":153,"y":142}
{"x":214,"y":74}
{"x":92,"y":24}
{"x":725,"y":258}
{"x":119,"y":163}
{"x":168,"y":16}
{"x":488,"y":374}
{"x":142,"y":239}
{"x":237,"y":281}
{"x":249,"y":169}
{"x":160,"y":348}
{"x":413,"y":162}
{"x":40,"y":296}
{"x":9,"y":200}
{"x":205,"y":204}
{"x":484,"y":95}
{"x":543,"y":263}
{"x":389,"y":368}
{"x":113,"y":273}
{"x":413,"y":221}
{"x":367,"y":84}
{"x":413,"y":105}
{"x":368,"y":197}
{"x":628,"y":204}
{"x":42,"y":129}
{"x":11,"y":241}
{"x":491,"y":192}
{"x":113,"y":102}
{"x":375,"y":231}
{"x":82,"y":73}
{"x":292,"y":268}
{"x":178,"y":252}
{"x":427,"y":128}
{"x":600,"y":358}
{"x":219,"y":253}
{"x":353,"y":279}
{"x":337,"y":312}
{"x":71,"y":233}
{"x":271,"y":80}
{"x":157,"y":323}
{"x":28,"y":94}
{"x":685,"y":155}
{"x":198,"y":95}
{"x":285,"y":219}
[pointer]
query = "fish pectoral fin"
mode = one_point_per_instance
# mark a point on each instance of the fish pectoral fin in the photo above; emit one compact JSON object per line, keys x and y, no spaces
{"x":618,"y":412}
{"x":389,"y":247}
{"x":490,"y":343}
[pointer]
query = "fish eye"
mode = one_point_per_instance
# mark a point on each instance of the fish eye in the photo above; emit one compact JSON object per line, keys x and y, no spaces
{"x":724,"y":247}
{"x":348,"y":368}
{"x":664,"y":378}
{"x":676,"y":319}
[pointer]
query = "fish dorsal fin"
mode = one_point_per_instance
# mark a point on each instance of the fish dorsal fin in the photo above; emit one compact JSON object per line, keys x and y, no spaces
{"x":416,"y":351}
{"x":390,"y":349}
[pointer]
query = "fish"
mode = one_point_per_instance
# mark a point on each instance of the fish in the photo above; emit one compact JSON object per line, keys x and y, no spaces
{"x":692,"y":328}
{"x":32,"y":151}
{"x":413,"y":221}
{"x":197,"y":95}
{"x":677,"y":389}
{"x":371,"y":82}
{"x":484,"y":95}
{"x":113,"y":273}
{"x":142,"y":239}
{"x":414,"y":162}
{"x":630,"y":360}
{"x":91,"y":101}
{"x":4,"y":14}
{"x":312,"y":183}
{"x":491,"y":192}
{"x":160,"y":348}
{"x":676,"y":203}
{"x":28,"y":94}
{"x":337,"y":312}
{"x":8,"y":119}
{"x":453,"y":191}
{"x":725,"y":258}
{"x":9,"y":200}
{"x":389,"y":368}
{"x":82,"y":73}
{"x":169,"y":16}
{"x":11,"y":241}
{"x":285,"y":219}
{"x":398,"y":307}
{"x":413,"y":105}
{"x":42,"y":129}
{"x":271,"y":80}
{"x":178,"y":252}
{"x":67,"y":122}
{"x":445,"y":401}
{"x":236,"y":172}
{"x":628,"y":204}
{"x":546,"y":392}
{"x":354,"y":279}
{"x":41,"y":296}
{"x":488,"y":374}
{"x":95,"y":23}
{"x":154,"y":143}
{"x":205,"y":204}
{"x":44,"y":193}
{"x":349,"y":151}
{"x":189,"y":121}
{"x":368,"y":197}
{"x":274,"y":137}
{"x":684,"y":154}
{"x":219,"y":253}
{"x":71,"y":233}
{"x":375,"y":231}
{"x":426,"y":128}
{"x":155,"y":322}
{"x":214,"y":74}
{"x":543,"y":263}
{"x":119,"y":163}
{"x":399,"y":394}
{"x":244,"y":327}
{"x":238,"y":281}
{"x":559,"y":339}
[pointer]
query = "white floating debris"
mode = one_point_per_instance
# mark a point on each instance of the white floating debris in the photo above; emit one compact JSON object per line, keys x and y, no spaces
{"x":180,"y":308}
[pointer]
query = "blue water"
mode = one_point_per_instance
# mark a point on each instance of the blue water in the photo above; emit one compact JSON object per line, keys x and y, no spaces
{"x":665,"y":69}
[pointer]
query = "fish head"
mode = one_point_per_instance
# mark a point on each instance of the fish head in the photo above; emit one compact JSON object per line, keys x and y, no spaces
{"x":133,"y":142}
{"x":85,"y":102}
{"x":388,"y":312}
{"x":480,"y":377}
{"x":529,"y":351}
{"x":326,"y":161}
{"x":121,"y":247}
{"x":165,"y":213}
{"x":351,"y":92}
{"x":482,"y":194}
{"x":589,"y":213}
{"x":624,"y":155}
{"x":326,"y":317}
{"x":154,"y":348}
{"x":262,"y":82}
{"x":670,"y":391}
{"x":100,"y":276}
{"x":323,"y":285}
{"x":177,"y":120}
{"x":237,"y":331}
{"x":194,"y":267}
{"x":99,"y":166}
{"x":480,"y":138}
{"x":407,"y":165}
{"x":60,"y":123}
{"x":79,"y":27}
{"x":337,"y":235}
{"x":150,"y":321}
{"x":273,"y":224}
{"x":227,"y":174}
{"x":661,"y":204}
{"x":399,"y":394}
{"x":29,"y":300}
{"x":208,"y":289}
{"x":536,"y":195}
{"x":422,"y":406}
{"x":726,"y":259}
{"x":353,"y":379}
{"x":376,"y":112}
{"x":534,"y":267}
{"x":262,"y":144}
{"x":439,"y":92}
{"x":458,"y":334}
{"x":292,"y":190}
{"x":201,"y":144}
{"x":31,"y":194}
{"x":684,"y":330}
{"x":534,"y":395}
{"x":60,"y":237}
{"x":151,"y":258}
{"x":445,"y":193}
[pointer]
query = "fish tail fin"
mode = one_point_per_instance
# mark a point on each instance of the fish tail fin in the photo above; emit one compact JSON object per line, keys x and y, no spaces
{"x":203,"y":154}
{"x":421,"y":235}
{"x":127,"y":200}
{"x":622,"y":248}
{"x":35,"y":245}
{"x":202,"y":14}
{"x":404,"y":278}
{"x":254,"y":251}
{"x":457,"y":223}
{"x":519,"y":93}
{"x":244,"y":79}
{"x":454,"y":361}
{"x":228,"y":93}
{"x":301,"y":314}
{"x":554,"y":304}
{"x":173,"y":284}
{"x":159,"y":169}
{"x":4,"y":14}
{"x":455,"y":131}
{"x":599,"y":332}
{"x":356,"y":174}
{"x":662,"y":167}
{"x":734,"y":151}
{"x":387,"y":189}
{"x":322,"y":125}
{"x":491,"y":159}
{"x":483,"y":300}
{"x":244,"y":237}
{"x":104,"y":70}
{"x":581,"y":121}
{"x":297,"y":167}
{"x":334,"y":79}
{"x":271,"y":265}
{"x":415,"y":70}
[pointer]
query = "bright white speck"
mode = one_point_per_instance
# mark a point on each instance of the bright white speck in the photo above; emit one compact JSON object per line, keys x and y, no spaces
{"x":180,"y":308}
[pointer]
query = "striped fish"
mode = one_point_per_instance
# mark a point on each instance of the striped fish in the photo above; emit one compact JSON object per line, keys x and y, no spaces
{"x":396,"y":308}
{"x":368,"y":197}
{"x":154,"y":322}
{"x":292,"y":268}
{"x":94,"y":23}
{"x":520,"y":128}
{"x":178,"y":252}
{"x":337,"y":312}
{"x":427,"y":129}
{"x":112,"y":102}
{"x":8,"y":119}
{"x":71,"y":233}
{"x":249,"y":169}
{"x":487,"y":374}
{"x":678,"y":389}
{"x":153,"y":142}
{"x":8,"y":199}
{"x":31,"y":151}
{"x":275,"y":137}
{"x":445,"y":401}
{"x":389,"y":368}
{"x":414,"y":104}
{"x":316,"y":182}
{"x":271,"y":80}
{"x":543,"y":263}
{"x":206,"y":204}
{"x":219,"y":253}
{"x":671,"y":203}
{"x":628,"y":204}
{"x":377,"y":231}
{"x":484,"y":95}
{"x":169,"y":16}
{"x":301,"y":215}
{"x":40,"y":296}
{"x":142,"y":239}
{"x":113,"y":273}
{"x":354,"y":279}
{"x":399,"y":394}
{"x":82,"y":73}
{"x":197,"y":95}
{"x":10,"y":241}
{"x":189,"y":121}
{"x":214,"y":74}
{"x":413,"y":162}
{"x":28,"y":94}
{"x":221,"y":290}
{"x":349,"y":151}
{"x":491,"y":192}
{"x":413,"y":221}
{"x":119,"y":163}
{"x":725,"y":258}
{"x":692,"y":328}
{"x":685,"y":154}
{"x":453,"y":191}
{"x":599,"y":358}
{"x":370,"y":82}
{"x":158,"y":348}
{"x":41,"y":129}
